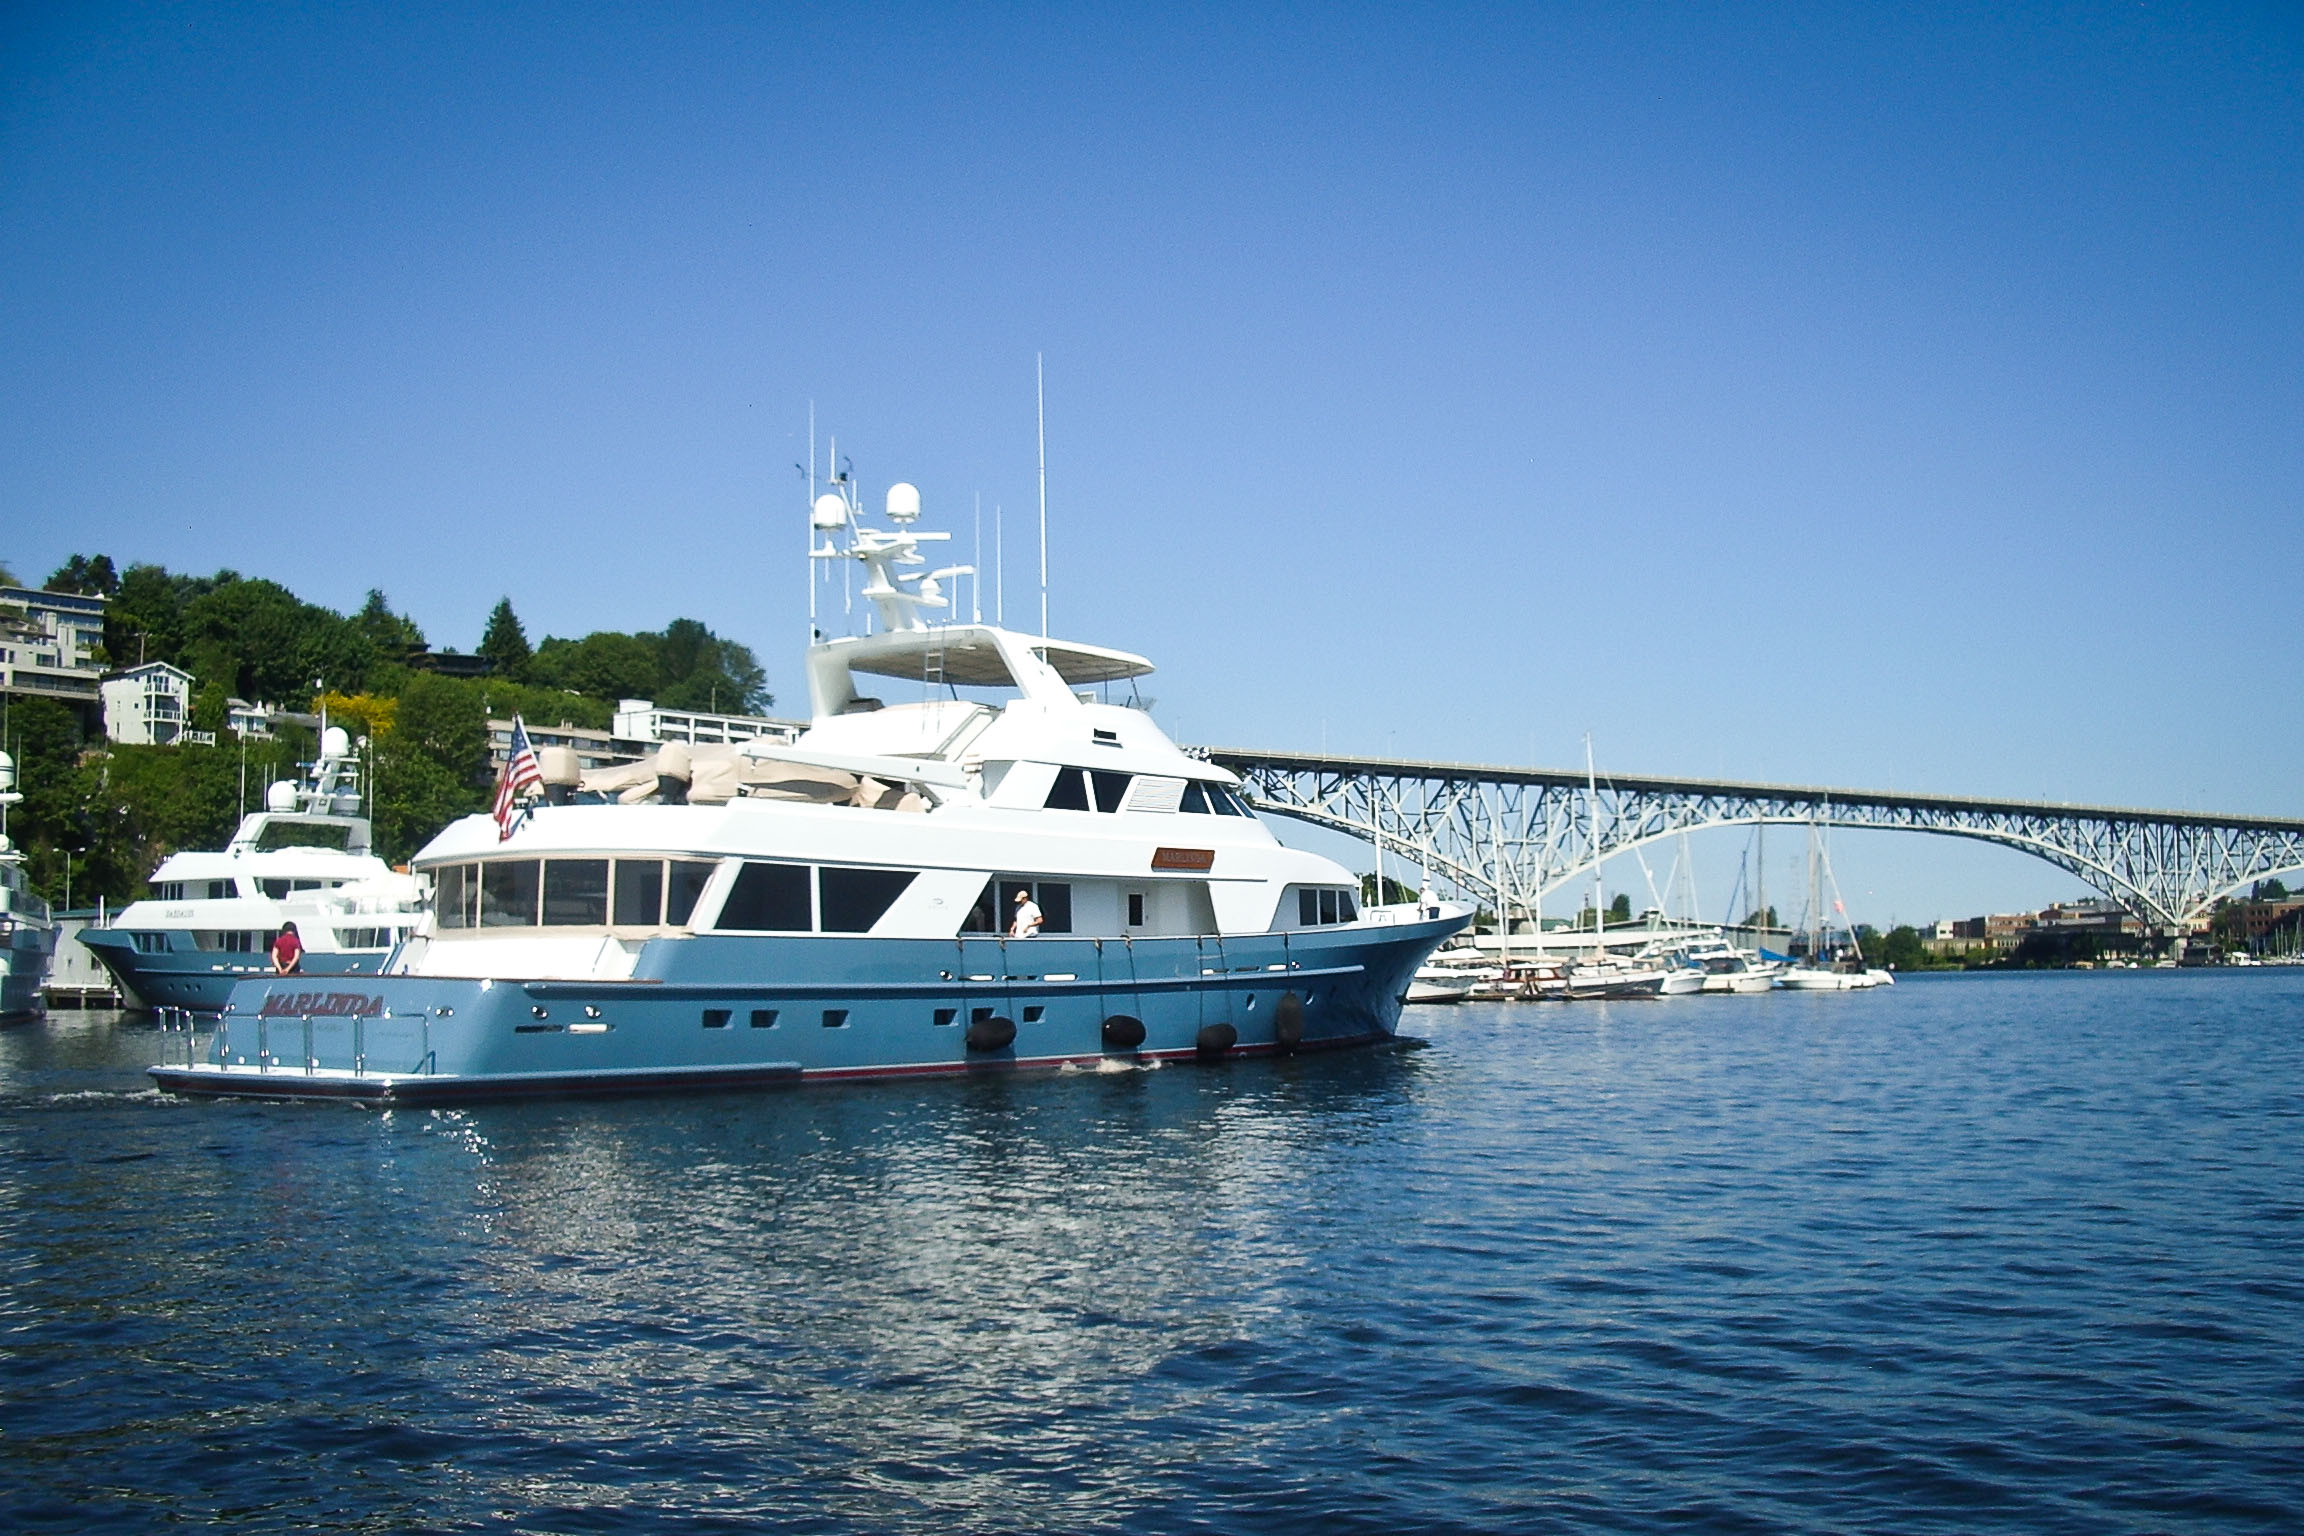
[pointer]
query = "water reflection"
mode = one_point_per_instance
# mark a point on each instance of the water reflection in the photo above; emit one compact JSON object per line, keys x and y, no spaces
{"x":943,"y":1294}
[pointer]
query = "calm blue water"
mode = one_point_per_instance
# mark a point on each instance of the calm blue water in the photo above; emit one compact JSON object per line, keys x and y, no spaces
{"x":1980,"y":1253}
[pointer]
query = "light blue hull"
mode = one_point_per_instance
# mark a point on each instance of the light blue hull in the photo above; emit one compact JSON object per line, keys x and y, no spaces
{"x":724,"y":1011}
{"x":185,"y":976}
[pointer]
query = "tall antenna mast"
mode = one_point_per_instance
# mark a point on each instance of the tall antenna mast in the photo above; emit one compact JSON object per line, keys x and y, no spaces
{"x":976,"y":577}
{"x":999,"y":568}
{"x":1040,"y":381}
{"x":811,"y":522}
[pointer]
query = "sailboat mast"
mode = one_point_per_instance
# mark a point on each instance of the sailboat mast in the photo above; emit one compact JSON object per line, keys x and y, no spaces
{"x":1592,"y":827}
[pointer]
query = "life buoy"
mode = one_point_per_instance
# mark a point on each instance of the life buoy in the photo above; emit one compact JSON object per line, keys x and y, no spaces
{"x":1288,"y":1021}
{"x":1123,"y":1033}
{"x":1214,"y":1040}
{"x":991,"y":1034}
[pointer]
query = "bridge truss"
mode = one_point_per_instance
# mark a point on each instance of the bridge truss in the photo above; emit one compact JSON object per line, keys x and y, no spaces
{"x":1508,"y":836}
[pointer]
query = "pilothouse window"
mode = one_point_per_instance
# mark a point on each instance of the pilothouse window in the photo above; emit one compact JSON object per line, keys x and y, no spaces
{"x":1069,"y":792}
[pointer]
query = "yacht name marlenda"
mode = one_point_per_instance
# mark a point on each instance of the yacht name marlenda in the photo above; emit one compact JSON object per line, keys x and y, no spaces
{"x":320,"y":1005}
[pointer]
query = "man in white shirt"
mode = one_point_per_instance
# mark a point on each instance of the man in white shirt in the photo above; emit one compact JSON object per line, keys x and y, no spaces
{"x":1028,"y":919}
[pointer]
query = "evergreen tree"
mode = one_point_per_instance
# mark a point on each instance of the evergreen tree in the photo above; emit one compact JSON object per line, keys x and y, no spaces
{"x":505,"y":643}
{"x":394,"y":635}
{"x":87,"y":576}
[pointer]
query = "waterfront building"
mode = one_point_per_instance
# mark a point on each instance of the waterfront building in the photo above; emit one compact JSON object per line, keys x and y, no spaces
{"x":2006,"y":930}
{"x":52,"y":647}
{"x":2093,"y":914}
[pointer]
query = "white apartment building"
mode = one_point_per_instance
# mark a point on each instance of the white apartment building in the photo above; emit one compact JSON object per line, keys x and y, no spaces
{"x":50,"y":643}
{"x":148,"y":706}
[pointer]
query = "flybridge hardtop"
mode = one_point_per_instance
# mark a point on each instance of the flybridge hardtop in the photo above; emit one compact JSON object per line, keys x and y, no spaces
{"x":211,"y":916}
{"x":972,"y":858}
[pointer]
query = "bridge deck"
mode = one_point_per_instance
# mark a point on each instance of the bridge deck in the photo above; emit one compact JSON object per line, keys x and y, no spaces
{"x":1243,"y":760}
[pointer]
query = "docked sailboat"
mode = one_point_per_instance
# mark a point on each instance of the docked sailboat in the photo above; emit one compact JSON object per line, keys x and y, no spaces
{"x":1000,"y":870}
{"x":1826,"y":968}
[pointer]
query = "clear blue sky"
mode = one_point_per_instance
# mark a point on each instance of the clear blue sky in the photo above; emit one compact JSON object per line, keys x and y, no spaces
{"x":1822,"y":394}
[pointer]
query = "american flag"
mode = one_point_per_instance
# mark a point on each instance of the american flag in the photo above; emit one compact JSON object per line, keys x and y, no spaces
{"x":522,"y":775}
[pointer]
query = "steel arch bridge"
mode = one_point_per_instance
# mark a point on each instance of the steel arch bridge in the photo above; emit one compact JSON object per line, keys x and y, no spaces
{"x":1511,"y":835}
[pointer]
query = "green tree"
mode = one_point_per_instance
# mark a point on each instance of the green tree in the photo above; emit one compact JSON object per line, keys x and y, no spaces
{"x":416,"y":797}
{"x":699,"y":670}
{"x":442,"y":719}
{"x":393,"y":635}
{"x":1395,"y":894}
{"x":262,"y":642}
{"x":505,"y":643}
{"x":144,"y":621}
{"x":603,"y":665}
{"x":685,"y":666}
{"x":88,"y":576}
{"x":1620,"y":910}
{"x":210,"y":708}
{"x":1901,"y":948}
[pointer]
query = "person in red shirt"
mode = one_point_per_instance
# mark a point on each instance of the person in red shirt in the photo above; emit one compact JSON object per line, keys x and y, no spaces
{"x":288,"y":951}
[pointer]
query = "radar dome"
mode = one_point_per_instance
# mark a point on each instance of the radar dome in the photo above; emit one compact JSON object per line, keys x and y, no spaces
{"x":903,"y":502}
{"x":7,"y":772}
{"x":830,"y":512}
{"x":335,"y":743}
{"x":281,"y":796}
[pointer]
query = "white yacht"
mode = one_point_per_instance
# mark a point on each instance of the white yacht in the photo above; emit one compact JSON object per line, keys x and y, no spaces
{"x":997,"y":868}
{"x":305,"y":858}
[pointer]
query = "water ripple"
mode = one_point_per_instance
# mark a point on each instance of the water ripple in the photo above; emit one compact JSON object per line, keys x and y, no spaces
{"x":1980,"y":1254}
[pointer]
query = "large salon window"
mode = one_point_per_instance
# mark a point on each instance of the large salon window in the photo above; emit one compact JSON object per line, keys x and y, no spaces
{"x":639,"y":892}
{"x":508,"y":893}
{"x":852,"y":900}
{"x":568,"y":893}
{"x":768,"y":897}
{"x":575,"y":893}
